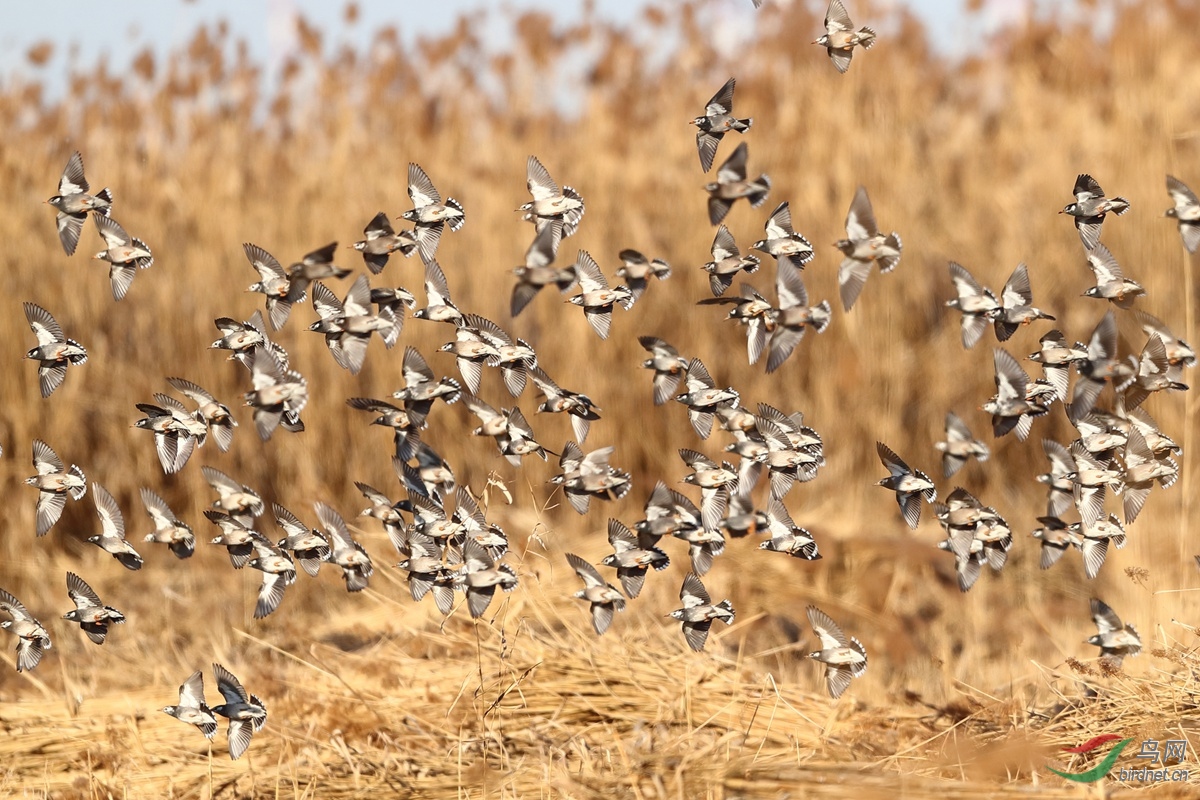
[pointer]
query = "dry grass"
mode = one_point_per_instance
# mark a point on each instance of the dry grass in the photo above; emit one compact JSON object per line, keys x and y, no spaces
{"x":373,"y":695}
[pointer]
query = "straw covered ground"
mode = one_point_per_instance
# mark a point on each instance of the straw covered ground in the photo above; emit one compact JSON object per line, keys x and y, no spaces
{"x":373,"y":695}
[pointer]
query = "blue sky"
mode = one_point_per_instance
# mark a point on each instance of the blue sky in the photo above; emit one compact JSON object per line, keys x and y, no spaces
{"x":119,"y":30}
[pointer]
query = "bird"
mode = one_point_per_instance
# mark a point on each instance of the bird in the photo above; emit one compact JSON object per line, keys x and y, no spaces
{"x":863,"y":246}
{"x":346,"y":553}
{"x":840,"y":37}
{"x":1111,"y":283}
{"x":168,"y":529}
{"x":242,"y":337}
{"x":603,"y":598}
{"x":550,"y":204}
{"x":716,"y":482}
{"x":978,"y":305}
{"x":793,"y":316}
{"x":381,"y":241}
{"x":1092,"y":474}
{"x":310,"y":547}
{"x":215,"y":414}
{"x":54,"y":351}
{"x":429,"y":214}
{"x":731,"y":184}
{"x":277,"y":392}
{"x":727,"y":261}
{"x":844,"y":657}
{"x":636,"y":269}
{"x":782,"y":242}
{"x":1154,"y":374}
{"x":348,"y":324}
{"x":54,"y":483}
{"x":578,"y":406}
{"x":1010,"y":407}
{"x":316,"y":265}
{"x":595,"y":297}
{"x":1179,"y":353}
{"x":72,"y":203}
{"x":279,"y":572}
{"x":585,"y":476}
{"x":909,"y":485}
{"x":513,"y":358}
{"x":273,"y":283}
{"x":632,"y":556}
{"x":420,"y":390}
{"x":237,"y":538}
{"x":1141,"y":469}
{"x":716,"y":121}
{"x":786,"y":535}
{"x":32,"y":638}
{"x":246,"y":713}
{"x":1098,"y":366}
{"x":698,"y":612}
{"x":958,"y":446}
{"x":538,"y":270}
{"x":1016,"y":305}
{"x":702,"y":397}
{"x":92,"y":615}
{"x":470,"y":349}
{"x":111,"y":538}
{"x":1056,"y":356}
{"x":438,"y":306}
{"x":667,"y":364}
{"x":479,"y":577}
{"x":191,"y":708}
{"x":236,"y":499}
{"x":1186,"y":212}
{"x":175,"y":431}
{"x":1115,"y":639}
{"x":125,"y":254}
{"x":1090,"y":208}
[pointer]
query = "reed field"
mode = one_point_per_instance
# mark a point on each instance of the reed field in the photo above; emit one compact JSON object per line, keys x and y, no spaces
{"x":374,"y":695}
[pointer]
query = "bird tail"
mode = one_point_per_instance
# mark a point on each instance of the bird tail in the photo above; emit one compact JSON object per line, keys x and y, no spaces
{"x":866,"y":37}
{"x":1119,"y":205}
{"x":456,"y":222}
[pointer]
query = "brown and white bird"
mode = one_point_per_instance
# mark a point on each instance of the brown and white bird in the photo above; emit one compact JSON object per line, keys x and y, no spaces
{"x":32,"y":638}
{"x":698,"y":612}
{"x":844,"y":657}
{"x":596,"y":298}
{"x":53,"y":482}
{"x":1115,"y":639}
{"x":958,"y":446}
{"x":637,"y":270}
{"x":1186,"y":212}
{"x":602,"y":597}
{"x":72,"y":203}
{"x":92,"y":615}
{"x":910,"y":485}
{"x":1111,"y":283}
{"x":732,"y":184}
{"x":124,"y":253}
{"x":383,"y":240}
{"x":1016,"y":305}
{"x":538,"y":270}
{"x":840,"y":38}
{"x":863,"y":246}
{"x":550,"y":204}
{"x":54,"y":351}
{"x":716,"y":121}
{"x":429,"y":214}
{"x":1090,"y":208}
{"x":111,"y":538}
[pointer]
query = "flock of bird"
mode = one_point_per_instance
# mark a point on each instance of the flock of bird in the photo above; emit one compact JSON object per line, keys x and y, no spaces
{"x":447,"y":545}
